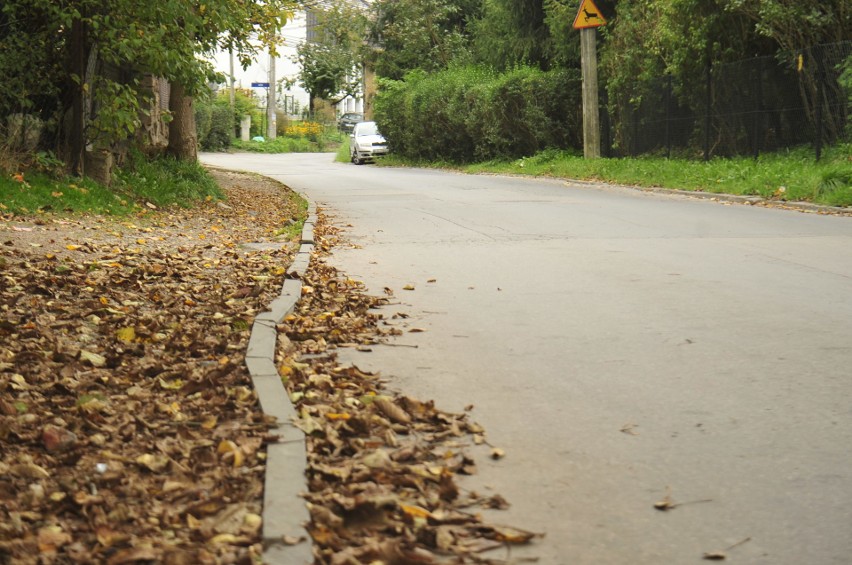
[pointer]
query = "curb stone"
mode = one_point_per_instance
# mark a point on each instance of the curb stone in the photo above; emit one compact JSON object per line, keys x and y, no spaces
{"x":285,"y":512}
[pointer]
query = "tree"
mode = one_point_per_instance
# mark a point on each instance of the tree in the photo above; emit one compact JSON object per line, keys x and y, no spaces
{"x":330,"y":65}
{"x":328,"y":72}
{"x":797,"y":24}
{"x":88,"y":56}
{"x":422,"y":34}
{"x":513,"y":32}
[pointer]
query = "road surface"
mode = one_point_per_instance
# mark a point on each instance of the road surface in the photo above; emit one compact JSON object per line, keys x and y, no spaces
{"x":622,"y":347}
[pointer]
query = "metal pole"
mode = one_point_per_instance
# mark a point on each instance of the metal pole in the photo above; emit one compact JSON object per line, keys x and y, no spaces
{"x":668,"y":116}
{"x":707,"y":111}
{"x":591,"y":113}
{"x":271,"y":120}
{"x":233,"y":96}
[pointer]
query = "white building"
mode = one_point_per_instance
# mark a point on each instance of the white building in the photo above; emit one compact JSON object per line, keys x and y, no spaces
{"x":289,"y":99}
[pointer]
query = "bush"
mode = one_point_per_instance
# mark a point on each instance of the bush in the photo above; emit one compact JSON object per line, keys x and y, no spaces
{"x":470,"y":113}
{"x":221,"y":128}
{"x":217,"y":125}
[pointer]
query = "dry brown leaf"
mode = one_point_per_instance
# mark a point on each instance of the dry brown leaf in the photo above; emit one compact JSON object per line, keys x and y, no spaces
{"x":391,"y":410}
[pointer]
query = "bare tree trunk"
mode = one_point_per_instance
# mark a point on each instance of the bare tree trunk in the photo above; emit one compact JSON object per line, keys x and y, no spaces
{"x":183,"y":139}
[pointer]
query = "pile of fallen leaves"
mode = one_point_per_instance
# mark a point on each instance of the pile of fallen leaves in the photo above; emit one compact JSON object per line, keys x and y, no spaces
{"x":129,"y":429}
{"x":382,"y":467}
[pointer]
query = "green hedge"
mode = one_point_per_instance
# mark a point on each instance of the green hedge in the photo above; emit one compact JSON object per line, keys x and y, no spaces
{"x":470,"y":114}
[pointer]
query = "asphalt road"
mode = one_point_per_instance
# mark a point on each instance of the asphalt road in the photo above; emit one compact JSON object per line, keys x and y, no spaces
{"x":621,"y":347}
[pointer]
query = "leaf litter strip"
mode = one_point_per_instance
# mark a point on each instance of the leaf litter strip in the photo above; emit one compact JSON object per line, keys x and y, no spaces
{"x":382,"y":466}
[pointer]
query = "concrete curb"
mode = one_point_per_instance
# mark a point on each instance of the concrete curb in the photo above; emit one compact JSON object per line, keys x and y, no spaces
{"x":284,"y":510}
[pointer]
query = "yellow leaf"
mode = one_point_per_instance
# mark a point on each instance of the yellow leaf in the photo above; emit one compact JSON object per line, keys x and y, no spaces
{"x":337,"y":416}
{"x":512,"y":535}
{"x":127,"y":335}
{"x":50,"y":538}
{"x":210,"y":423}
{"x":140,"y":241}
{"x":252,"y":522}
{"x":415,"y":511}
{"x":155,"y":463}
{"x":72,"y":247}
{"x":176,"y":384}
{"x":408,"y":287}
{"x":227,"y":447}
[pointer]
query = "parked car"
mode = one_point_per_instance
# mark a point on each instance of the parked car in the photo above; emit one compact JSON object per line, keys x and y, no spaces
{"x":366,"y":142}
{"x":347,"y":121}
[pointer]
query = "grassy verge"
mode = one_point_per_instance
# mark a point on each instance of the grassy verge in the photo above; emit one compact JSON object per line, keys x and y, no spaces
{"x":301,"y":137}
{"x":167,"y":182}
{"x":343,"y":153}
{"x":162,"y":182}
{"x":28,"y":193}
{"x":791,"y":175}
{"x":293,"y":229}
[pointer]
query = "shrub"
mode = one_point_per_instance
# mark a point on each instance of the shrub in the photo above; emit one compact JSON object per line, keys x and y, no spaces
{"x":221,"y":128}
{"x":470,"y":113}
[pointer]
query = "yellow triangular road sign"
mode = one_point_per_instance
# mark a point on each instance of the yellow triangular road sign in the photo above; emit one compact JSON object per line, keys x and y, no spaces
{"x":588,"y":16}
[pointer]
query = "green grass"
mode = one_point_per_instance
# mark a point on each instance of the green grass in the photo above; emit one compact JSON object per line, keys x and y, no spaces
{"x":294,"y":229}
{"x":792,"y":175}
{"x":342,"y":155}
{"x":163,"y":182}
{"x":167,"y":182}
{"x":38,"y":192}
{"x":327,"y":140}
{"x":279,"y":145}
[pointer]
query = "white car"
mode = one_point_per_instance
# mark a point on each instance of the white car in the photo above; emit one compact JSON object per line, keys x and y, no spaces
{"x":366,"y":142}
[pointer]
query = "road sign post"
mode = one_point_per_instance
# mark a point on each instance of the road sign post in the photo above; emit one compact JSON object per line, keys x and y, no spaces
{"x":588,"y":18}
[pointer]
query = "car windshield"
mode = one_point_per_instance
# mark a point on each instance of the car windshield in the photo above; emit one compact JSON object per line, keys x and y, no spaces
{"x":368,"y":128}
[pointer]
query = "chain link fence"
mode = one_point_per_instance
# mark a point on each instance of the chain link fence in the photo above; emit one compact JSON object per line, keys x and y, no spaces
{"x":742,"y":108}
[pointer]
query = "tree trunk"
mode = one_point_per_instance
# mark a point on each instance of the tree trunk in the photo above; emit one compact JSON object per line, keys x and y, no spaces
{"x":183,"y":139}
{"x":76,"y":135}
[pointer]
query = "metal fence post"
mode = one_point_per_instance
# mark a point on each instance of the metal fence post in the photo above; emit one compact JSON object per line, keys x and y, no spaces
{"x":758,"y":114}
{"x":708,"y":108}
{"x":668,"y":116}
{"x":818,"y":141}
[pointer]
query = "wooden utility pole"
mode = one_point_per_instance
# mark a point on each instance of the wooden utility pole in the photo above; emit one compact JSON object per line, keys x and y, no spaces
{"x":591,"y":112}
{"x":588,"y":18}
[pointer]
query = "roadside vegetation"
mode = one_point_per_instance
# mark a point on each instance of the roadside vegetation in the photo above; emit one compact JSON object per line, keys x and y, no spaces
{"x":296,"y":137}
{"x":218,"y":127}
{"x":789,"y":175}
{"x":140,"y":185}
